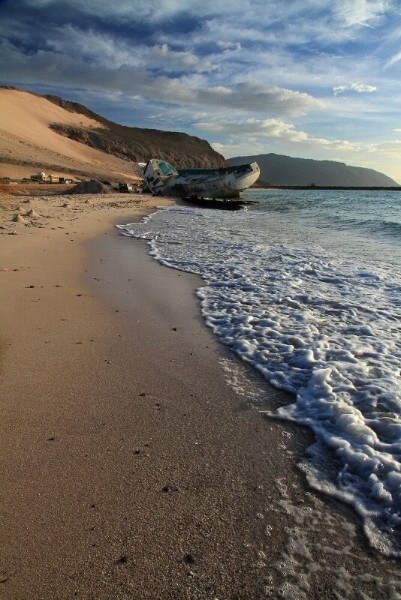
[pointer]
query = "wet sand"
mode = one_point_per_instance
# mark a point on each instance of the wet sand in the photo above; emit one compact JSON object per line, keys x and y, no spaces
{"x":133,"y":466}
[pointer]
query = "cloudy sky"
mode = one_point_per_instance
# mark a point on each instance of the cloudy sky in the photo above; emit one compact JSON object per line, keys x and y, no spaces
{"x":307,"y":78}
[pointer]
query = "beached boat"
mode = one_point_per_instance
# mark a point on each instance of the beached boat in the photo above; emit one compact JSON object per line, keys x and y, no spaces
{"x":161,"y":178}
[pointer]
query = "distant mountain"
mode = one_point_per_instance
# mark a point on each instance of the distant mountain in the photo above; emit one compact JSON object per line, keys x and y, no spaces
{"x":284,"y":170}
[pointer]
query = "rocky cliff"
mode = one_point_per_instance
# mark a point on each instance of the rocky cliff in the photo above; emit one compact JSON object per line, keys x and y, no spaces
{"x":137,"y":144}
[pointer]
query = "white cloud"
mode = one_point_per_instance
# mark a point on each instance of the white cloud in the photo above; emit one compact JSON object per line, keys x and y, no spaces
{"x":249,"y":96}
{"x":106,"y":50}
{"x":55,"y":68}
{"x":356,"y":13}
{"x":173,"y":61}
{"x":393,"y":60}
{"x":229,"y":47}
{"x":355,"y":87}
{"x":88,"y":45}
{"x":254,"y":130}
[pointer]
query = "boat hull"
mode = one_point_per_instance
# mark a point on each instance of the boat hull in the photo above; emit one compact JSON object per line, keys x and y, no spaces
{"x":226,"y":182}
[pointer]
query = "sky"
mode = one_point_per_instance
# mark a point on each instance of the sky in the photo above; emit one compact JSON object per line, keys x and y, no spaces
{"x":307,"y":78}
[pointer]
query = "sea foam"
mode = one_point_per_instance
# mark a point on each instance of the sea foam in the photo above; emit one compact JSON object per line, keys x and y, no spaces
{"x":318,"y":324}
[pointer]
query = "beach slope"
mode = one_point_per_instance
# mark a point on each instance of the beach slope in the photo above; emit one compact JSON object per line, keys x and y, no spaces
{"x":135,"y":463}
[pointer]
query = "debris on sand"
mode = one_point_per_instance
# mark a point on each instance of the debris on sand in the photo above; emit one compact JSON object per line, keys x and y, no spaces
{"x":18,"y":218}
{"x":91,"y":187}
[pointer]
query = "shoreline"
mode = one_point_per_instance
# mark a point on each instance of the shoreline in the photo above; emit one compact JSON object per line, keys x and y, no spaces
{"x":133,"y":467}
{"x":328,"y":187}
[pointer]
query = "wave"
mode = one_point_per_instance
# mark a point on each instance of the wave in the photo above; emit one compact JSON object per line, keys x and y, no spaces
{"x":324,"y":328}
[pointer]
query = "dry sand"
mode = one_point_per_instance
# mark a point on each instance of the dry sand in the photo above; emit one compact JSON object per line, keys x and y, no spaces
{"x":131,"y":467}
{"x":26,"y":139}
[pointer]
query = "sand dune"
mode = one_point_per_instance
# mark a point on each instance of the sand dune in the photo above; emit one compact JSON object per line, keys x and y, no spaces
{"x":28,"y":145}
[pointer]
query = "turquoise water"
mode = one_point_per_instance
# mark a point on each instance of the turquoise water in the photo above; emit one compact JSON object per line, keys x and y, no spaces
{"x":364,"y":225}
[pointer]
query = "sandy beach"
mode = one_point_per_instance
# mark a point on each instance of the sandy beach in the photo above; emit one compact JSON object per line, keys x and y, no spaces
{"x":136,"y":463}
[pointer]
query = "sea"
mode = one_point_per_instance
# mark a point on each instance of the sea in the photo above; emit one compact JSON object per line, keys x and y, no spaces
{"x":305,"y":286}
